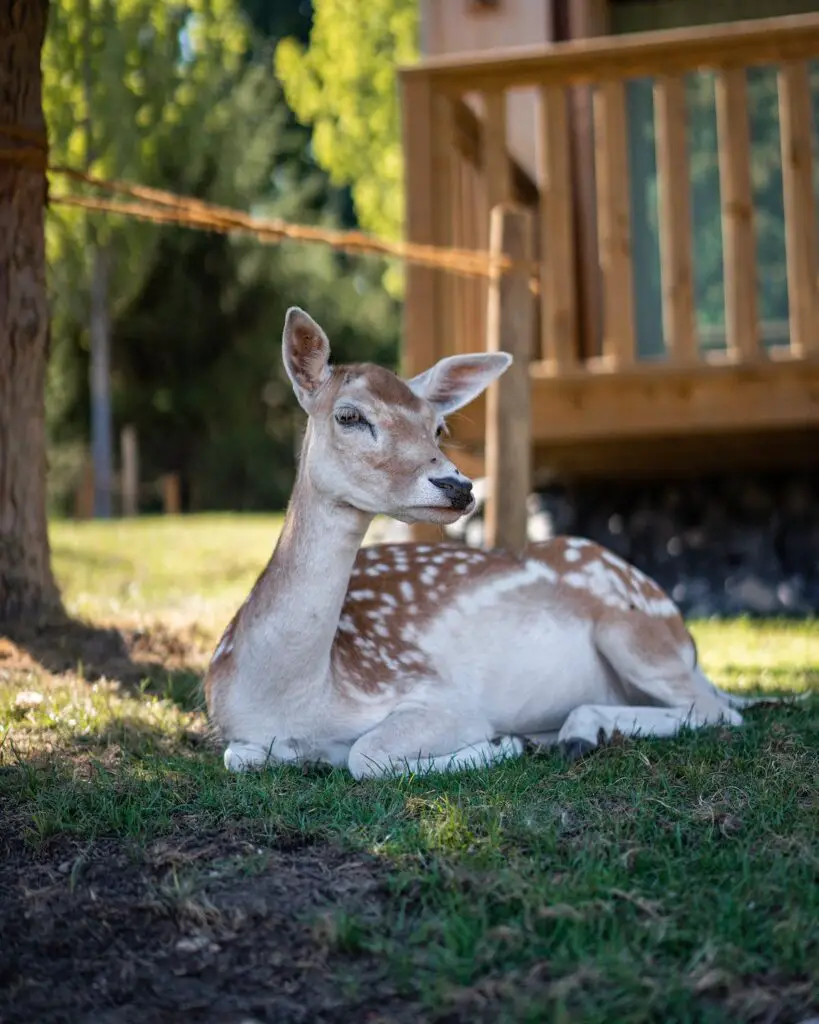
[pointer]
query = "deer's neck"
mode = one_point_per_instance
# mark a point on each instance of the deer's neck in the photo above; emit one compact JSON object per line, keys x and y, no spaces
{"x":292,"y":617}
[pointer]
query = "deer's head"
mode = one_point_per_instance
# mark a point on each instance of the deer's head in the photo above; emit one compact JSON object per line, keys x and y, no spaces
{"x":373,"y":439}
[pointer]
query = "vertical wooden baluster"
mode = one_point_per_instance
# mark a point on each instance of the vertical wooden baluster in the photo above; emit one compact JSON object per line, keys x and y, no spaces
{"x":443,"y":158}
{"x":614,"y":223}
{"x":795,"y":121}
{"x":558,"y":298}
{"x":739,"y":244}
{"x":495,"y":153}
{"x":674,"y":207}
{"x":420,"y":300}
{"x":423,"y":290}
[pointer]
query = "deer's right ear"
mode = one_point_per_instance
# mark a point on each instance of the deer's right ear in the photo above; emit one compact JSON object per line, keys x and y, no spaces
{"x":306,"y":354}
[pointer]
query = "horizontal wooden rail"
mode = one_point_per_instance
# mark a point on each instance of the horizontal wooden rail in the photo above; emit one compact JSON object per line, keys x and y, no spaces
{"x":636,"y":55}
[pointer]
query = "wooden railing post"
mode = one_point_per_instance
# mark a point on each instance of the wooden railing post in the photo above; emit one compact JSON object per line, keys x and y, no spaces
{"x":423,"y":285}
{"x":510,"y":321}
{"x":614,"y":223}
{"x":558,"y":295}
{"x":171,"y":499}
{"x":495,"y":150}
{"x":795,"y":122}
{"x":129,"y":474}
{"x":84,"y":496}
{"x":674,"y":207}
{"x":738,"y":242}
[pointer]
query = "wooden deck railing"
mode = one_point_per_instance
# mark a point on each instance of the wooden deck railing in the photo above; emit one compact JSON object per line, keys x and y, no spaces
{"x":458,"y":167}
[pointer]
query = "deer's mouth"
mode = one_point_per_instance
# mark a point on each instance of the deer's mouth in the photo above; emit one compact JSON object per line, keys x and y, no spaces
{"x":441,"y":513}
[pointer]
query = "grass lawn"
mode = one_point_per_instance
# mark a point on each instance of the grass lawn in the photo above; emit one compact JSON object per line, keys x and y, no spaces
{"x":654,"y":881}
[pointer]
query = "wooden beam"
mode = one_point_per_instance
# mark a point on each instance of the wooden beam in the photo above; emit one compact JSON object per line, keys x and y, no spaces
{"x":754,"y":42}
{"x":585,"y":19}
{"x":423,"y":285}
{"x":674,"y":207}
{"x":171,"y":494}
{"x":665,"y":400}
{"x":84,"y":495}
{"x":739,"y":244}
{"x":469,"y":139}
{"x":129,"y":470}
{"x":651,"y":457}
{"x":442,"y":202}
{"x":558,"y":297}
{"x":495,"y":152}
{"x":795,"y":122}
{"x":510,"y":312}
{"x":419,"y":349}
{"x":614,"y":223}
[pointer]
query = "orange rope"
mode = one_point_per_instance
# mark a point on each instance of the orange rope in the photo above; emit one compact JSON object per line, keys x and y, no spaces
{"x":162,"y":207}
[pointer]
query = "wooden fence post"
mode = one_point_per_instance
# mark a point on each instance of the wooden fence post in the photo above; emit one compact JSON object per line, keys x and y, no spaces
{"x":84,"y":495}
{"x":509,"y":327}
{"x":129,"y":461}
{"x":171,"y":501}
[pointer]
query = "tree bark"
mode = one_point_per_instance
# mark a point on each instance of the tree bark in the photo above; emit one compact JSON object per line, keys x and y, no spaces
{"x":27,"y":585}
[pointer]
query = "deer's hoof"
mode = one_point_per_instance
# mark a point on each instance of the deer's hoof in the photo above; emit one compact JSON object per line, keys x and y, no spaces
{"x":574,"y":750}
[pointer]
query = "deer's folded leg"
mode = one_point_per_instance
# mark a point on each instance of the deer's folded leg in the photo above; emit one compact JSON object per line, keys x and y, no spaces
{"x":428,"y":740}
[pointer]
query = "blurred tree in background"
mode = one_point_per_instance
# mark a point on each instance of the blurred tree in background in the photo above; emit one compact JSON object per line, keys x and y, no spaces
{"x":184,"y":97}
{"x":344,"y":84}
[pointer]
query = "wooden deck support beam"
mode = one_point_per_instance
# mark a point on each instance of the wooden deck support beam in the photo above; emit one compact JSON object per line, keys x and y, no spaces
{"x":510,"y":321}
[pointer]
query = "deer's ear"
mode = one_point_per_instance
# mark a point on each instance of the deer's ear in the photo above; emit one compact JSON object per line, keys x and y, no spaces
{"x":306,"y":354}
{"x":455,"y":381}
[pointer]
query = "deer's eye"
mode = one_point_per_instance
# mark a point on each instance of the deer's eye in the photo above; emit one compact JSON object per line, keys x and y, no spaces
{"x":440,"y":430}
{"x":349,"y":417}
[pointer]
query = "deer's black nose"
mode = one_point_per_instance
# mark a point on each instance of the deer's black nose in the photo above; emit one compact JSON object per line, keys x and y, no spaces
{"x":458,"y":491}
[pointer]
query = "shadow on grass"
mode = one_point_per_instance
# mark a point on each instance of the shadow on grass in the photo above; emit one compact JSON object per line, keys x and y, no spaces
{"x":152,"y":660}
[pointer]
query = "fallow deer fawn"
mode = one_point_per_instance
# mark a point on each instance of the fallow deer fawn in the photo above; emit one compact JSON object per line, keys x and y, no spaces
{"x":401,"y":657}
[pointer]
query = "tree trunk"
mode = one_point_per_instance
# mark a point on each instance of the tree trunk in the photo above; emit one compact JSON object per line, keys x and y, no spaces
{"x":26,"y":583}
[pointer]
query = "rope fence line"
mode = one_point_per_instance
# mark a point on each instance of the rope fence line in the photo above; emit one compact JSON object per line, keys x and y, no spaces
{"x":163,"y":207}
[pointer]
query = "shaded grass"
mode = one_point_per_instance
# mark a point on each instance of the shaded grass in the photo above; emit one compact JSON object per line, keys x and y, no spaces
{"x":657,"y":880}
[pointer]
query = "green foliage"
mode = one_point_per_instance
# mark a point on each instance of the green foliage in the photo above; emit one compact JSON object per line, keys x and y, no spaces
{"x":196,"y":316}
{"x":344,"y":84}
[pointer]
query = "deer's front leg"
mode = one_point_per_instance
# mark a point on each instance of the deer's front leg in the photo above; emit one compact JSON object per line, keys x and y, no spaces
{"x":422,"y":740}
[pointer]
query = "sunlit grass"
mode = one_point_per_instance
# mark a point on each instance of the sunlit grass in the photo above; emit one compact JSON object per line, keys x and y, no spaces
{"x":176,"y":566}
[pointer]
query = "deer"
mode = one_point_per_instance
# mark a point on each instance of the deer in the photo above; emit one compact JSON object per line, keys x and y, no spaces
{"x":408,"y":657}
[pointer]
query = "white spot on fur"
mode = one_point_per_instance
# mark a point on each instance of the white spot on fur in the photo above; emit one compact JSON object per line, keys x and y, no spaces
{"x":407,"y":590}
{"x":362,"y":595}
{"x":572,"y":555}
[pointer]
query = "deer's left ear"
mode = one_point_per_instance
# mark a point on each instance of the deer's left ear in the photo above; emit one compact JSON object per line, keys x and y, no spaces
{"x":306,"y":354}
{"x":455,"y":381}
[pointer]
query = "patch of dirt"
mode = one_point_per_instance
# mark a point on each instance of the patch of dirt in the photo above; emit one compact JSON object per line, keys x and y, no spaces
{"x":128,"y":656}
{"x":209,"y":928}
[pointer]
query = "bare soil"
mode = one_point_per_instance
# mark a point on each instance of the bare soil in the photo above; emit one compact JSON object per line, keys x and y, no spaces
{"x":217,"y":929}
